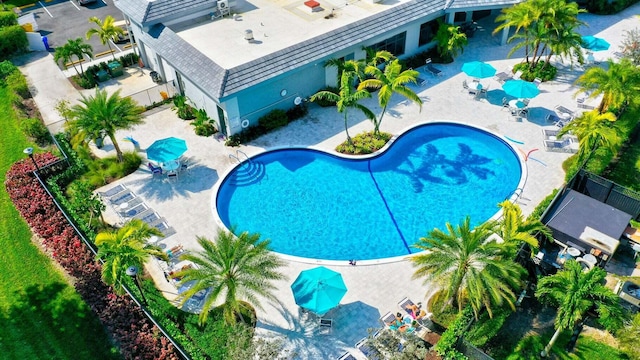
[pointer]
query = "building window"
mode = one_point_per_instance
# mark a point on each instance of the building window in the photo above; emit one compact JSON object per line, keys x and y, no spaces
{"x":394,"y":44}
{"x":428,"y":31}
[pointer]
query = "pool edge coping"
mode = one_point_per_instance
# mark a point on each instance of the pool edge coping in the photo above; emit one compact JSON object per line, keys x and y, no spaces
{"x":513,"y":198}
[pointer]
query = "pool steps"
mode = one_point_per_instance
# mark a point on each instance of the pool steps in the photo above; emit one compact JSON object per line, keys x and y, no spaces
{"x":249,"y":172}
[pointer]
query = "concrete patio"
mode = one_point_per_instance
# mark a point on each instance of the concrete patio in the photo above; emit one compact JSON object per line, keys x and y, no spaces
{"x":373,"y":289}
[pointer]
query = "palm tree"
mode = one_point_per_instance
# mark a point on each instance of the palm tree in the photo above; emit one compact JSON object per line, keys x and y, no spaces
{"x":617,"y":85}
{"x":73,"y":47}
{"x":125,"y":247}
{"x":106,"y":31}
{"x":594,"y":130}
{"x":104,"y":114}
{"x":347,"y":97}
{"x":469,"y":266}
{"x":521,"y":17}
{"x":515,"y":230}
{"x":391,"y":80}
{"x":63,"y":54}
{"x":575,"y":291}
{"x":450,"y":40}
{"x":233,"y":268}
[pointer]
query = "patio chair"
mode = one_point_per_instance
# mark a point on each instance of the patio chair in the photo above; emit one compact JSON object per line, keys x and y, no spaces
{"x":135,"y":210}
{"x":563,"y":110}
{"x":122,"y":197}
{"x":505,"y":103}
{"x":537,"y":82}
{"x":502,"y":77}
{"x":432,"y":69}
{"x":465,"y":85}
{"x":324,"y":326}
{"x":367,"y":350}
{"x":154,"y":170}
{"x":172,"y":175}
{"x":408,"y":306}
{"x":517,"y":75}
{"x":113,"y":191}
{"x":387,"y":318}
{"x":184,"y":165}
{"x":347,"y":356}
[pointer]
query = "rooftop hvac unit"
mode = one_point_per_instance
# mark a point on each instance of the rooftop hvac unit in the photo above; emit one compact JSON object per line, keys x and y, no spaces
{"x":223,"y":7}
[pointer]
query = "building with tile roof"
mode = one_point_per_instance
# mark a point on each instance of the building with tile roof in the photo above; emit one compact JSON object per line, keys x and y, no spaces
{"x":240,"y":59}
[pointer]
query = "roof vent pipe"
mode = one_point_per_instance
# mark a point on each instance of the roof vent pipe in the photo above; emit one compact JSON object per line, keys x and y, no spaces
{"x":248,"y":35}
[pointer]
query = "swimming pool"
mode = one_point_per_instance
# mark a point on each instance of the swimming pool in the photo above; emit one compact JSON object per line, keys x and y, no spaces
{"x":316,"y":205}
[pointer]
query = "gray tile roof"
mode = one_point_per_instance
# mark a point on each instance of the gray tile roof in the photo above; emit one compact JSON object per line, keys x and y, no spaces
{"x":481,"y":4}
{"x":220,"y":83}
{"x":151,"y":12}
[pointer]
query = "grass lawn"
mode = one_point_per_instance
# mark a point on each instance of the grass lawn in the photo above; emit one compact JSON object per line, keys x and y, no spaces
{"x":586,"y":349}
{"x":627,"y":171}
{"x":41,"y":316}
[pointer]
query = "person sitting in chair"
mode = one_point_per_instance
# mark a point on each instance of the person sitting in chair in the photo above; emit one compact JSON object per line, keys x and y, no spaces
{"x":415,"y":312}
{"x":396,"y":323}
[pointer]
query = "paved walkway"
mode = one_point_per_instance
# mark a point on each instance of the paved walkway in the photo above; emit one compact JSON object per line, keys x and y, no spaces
{"x":186,"y":204}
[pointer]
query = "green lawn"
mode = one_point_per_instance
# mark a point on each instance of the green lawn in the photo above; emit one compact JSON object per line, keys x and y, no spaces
{"x":41,"y":316}
{"x":586,"y":348}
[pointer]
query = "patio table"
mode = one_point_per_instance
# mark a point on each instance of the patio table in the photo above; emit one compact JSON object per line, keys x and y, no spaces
{"x":517,"y":104}
{"x":170,"y":165}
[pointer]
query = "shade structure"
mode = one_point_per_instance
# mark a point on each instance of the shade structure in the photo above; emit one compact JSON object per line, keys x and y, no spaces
{"x":319,"y":289}
{"x":594,"y":43}
{"x":520,"y":89}
{"x":166,"y":149}
{"x":478,"y":69}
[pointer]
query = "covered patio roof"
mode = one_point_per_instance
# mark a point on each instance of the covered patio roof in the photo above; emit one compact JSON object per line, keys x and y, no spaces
{"x":586,"y":223}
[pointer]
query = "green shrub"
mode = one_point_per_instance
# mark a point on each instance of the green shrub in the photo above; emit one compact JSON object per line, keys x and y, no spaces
{"x":297,"y":112}
{"x":18,"y":83}
{"x":536,"y":214}
{"x":129,"y":59}
{"x":447,"y":344}
{"x":274,"y":119}
{"x":182,"y":108}
{"x":606,"y":7}
{"x":6,"y":68}
{"x":35,"y":129}
{"x":233,"y":140}
{"x":324,"y":102}
{"x":8,"y":18}
{"x":365,"y":143}
{"x":86,"y":82}
{"x":545,"y":73}
{"x":487,"y":328}
{"x":13,"y":39}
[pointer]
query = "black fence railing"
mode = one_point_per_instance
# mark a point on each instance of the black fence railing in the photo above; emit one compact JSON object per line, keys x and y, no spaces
{"x":606,"y":191}
{"x":57,"y":167}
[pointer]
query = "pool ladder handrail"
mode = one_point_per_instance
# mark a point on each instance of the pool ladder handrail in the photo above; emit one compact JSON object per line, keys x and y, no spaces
{"x":236,"y":156}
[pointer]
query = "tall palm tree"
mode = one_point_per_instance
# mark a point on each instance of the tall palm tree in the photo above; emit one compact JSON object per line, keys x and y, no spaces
{"x":391,"y":80}
{"x":521,"y":17}
{"x":515,"y":230}
{"x":618,"y":84}
{"x":104,"y":114}
{"x":469,"y":266}
{"x":73,"y":47}
{"x":347,"y":97}
{"x":234,"y":268}
{"x":574,"y":292}
{"x":126,"y":247}
{"x":106,"y":31}
{"x":594,"y":130}
{"x":63,"y":54}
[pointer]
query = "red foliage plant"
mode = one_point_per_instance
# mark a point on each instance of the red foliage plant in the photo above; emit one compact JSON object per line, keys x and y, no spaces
{"x":136,"y":336}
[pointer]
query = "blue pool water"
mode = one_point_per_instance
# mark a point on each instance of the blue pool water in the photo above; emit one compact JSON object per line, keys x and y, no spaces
{"x":315,"y":205}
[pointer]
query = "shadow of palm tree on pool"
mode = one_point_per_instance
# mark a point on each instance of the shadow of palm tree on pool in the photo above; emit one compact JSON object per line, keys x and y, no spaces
{"x":435,"y":167}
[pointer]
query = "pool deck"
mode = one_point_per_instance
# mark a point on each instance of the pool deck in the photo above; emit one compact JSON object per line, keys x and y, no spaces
{"x":373,"y":290}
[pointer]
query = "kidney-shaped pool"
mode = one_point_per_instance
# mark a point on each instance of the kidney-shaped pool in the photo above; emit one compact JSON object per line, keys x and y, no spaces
{"x":316,"y":205}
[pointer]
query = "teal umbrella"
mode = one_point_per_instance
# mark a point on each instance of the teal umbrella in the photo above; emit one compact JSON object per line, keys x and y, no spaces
{"x":168,"y":149}
{"x":319,"y":289}
{"x":595,"y":43}
{"x":478,"y":69}
{"x":520,"y":89}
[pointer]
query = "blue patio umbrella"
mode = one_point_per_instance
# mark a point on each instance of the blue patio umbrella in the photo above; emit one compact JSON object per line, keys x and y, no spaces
{"x":319,"y":289}
{"x":520,"y":89}
{"x":478,"y":69}
{"x":594,"y":43}
{"x":168,"y":149}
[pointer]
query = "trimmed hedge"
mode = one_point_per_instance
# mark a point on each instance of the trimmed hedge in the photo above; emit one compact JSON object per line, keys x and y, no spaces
{"x":13,"y":39}
{"x":274,"y":119}
{"x":8,"y":18}
{"x":135,"y":335}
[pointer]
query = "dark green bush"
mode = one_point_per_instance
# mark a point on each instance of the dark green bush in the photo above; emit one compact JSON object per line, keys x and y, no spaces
{"x":297,"y":112}
{"x":6,"y":68}
{"x":327,"y":103}
{"x":8,"y":18}
{"x":129,"y":59}
{"x":13,"y":39}
{"x":35,"y":129}
{"x":365,"y":143}
{"x":545,"y":73}
{"x":487,"y":328}
{"x":274,"y":119}
{"x":605,"y":7}
{"x":18,"y":83}
{"x":447,"y":344}
{"x":205,"y":130}
{"x":86,"y":82}
{"x":182,"y":108}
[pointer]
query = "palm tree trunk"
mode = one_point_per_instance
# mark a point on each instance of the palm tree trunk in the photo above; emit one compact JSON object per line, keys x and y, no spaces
{"x":346,"y":128}
{"x":547,"y":348}
{"x":74,"y":68}
{"x":112,"y":52}
{"x":80,"y":62}
{"x":376,"y":129}
{"x":116,"y":146}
